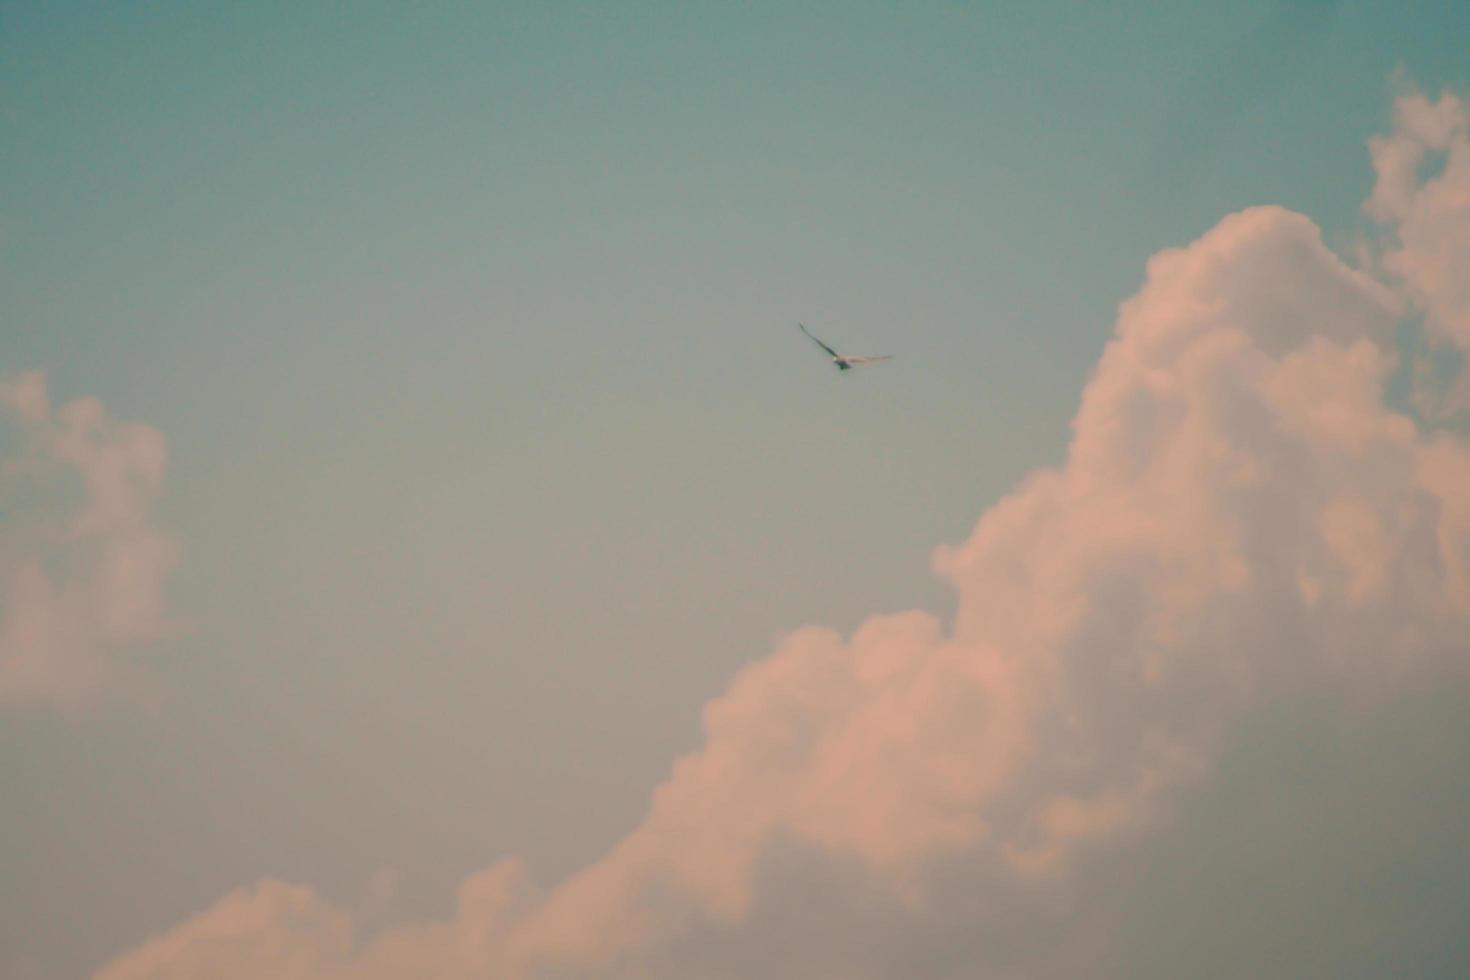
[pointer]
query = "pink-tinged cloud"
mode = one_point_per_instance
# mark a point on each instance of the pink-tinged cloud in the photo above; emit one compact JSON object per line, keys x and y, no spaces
{"x":1240,"y":516}
{"x":82,"y":565}
{"x":272,"y":930}
{"x":1422,"y":196}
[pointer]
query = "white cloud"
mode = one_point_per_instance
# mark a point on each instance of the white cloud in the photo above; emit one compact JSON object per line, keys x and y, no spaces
{"x":1240,"y":519}
{"x":82,"y":566}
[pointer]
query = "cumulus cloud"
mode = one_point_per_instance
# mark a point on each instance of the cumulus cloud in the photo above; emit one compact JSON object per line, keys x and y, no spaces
{"x":272,"y":930}
{"x":1422,"y":196}
{"x":82,"y":565}
{"x":1241,"y":518}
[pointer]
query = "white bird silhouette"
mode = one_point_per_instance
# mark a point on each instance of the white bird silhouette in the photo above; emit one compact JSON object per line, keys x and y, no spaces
{"x":844,"y":362}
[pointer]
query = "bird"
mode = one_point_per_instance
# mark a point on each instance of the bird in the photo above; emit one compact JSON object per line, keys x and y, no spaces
{"x":844,"y":362}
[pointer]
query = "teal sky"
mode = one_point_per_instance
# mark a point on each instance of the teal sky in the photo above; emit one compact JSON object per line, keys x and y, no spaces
{"x":494,"y":450}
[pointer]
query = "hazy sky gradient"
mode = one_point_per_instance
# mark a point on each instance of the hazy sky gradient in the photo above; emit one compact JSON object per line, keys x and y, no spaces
{"x":494,"y":451}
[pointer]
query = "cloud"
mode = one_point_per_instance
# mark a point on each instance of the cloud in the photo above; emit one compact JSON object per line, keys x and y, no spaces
{"x":272,"y":930}
{"x":82,"y":566}
{"x":1422,"y":196}
{"x":1241,"y":522}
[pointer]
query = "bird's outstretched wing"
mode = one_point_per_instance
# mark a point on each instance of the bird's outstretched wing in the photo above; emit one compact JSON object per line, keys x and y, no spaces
{"x":818,"y":342}
{"x":867,"y":360}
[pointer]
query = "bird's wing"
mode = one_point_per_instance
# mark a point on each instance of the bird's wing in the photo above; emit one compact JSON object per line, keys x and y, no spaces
{"x":867,"y":360}
{"x":818,"y":342}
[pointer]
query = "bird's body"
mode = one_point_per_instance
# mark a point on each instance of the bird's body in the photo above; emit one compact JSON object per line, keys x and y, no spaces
{"x":844,"y":362}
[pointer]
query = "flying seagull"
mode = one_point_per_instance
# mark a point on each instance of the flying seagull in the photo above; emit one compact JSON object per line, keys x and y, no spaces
{"x":844,"y":362}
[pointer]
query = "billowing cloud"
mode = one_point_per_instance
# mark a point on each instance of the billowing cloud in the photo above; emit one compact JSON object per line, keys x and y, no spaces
{"x":82,"y":564}
{"x":1241,"y":519}
{"x":1422,"y":195}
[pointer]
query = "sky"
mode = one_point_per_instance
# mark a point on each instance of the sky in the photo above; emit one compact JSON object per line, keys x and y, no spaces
{"x":429,"y":548}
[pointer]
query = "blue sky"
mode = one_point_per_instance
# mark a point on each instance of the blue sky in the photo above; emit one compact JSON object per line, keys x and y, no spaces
{"x":494,"y":450}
